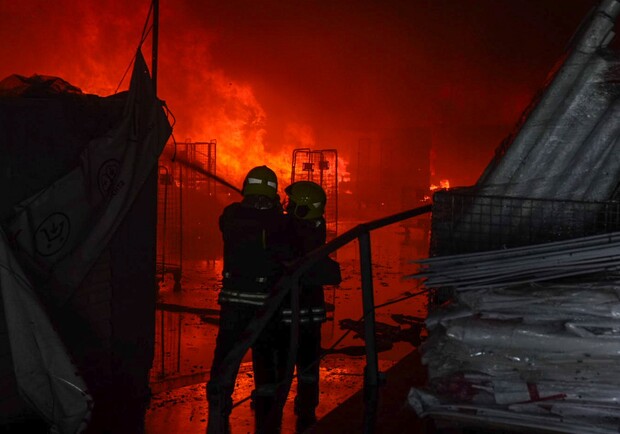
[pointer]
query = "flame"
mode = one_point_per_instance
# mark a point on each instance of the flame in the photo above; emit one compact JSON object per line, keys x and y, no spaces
{"x":444,"y":184}
{"x":94,"y":53}
{"x":343,"y":174}
{"x":236,"y":120}
{"x":297,"y":76}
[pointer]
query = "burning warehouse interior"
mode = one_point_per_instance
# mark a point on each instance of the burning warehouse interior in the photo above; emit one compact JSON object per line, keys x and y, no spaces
{"x":471,"y":144}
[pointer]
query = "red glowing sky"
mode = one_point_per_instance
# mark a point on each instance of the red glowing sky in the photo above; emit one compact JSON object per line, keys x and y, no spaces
{"x":264,"y":77}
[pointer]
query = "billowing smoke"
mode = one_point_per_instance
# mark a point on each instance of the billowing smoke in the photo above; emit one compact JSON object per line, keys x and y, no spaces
{"x":266,"y":77}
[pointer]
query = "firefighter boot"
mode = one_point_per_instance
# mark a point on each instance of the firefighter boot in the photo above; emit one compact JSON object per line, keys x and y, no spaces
{"x":306,"y":418}
{"x":217,"y":422}
{"x":268,"y":419}
{"x":305,"y":405}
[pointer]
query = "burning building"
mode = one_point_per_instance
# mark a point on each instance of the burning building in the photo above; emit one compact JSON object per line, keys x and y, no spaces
{"x":404,"y":105}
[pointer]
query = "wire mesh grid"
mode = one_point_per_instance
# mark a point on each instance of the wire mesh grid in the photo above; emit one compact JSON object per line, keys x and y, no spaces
{"x":463,"y":222}
{"x":167,"y":356}
{"x":168,"y":221}
{"x":320,"y":166}
{"x":203,"y":154}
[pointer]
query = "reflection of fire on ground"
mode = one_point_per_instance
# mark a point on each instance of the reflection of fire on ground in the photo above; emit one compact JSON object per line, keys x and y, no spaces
{"x":398,"y":325}
{"x":193,"y":335}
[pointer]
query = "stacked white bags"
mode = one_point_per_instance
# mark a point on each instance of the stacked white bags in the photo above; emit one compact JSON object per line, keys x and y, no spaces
{"x":523,"y":345}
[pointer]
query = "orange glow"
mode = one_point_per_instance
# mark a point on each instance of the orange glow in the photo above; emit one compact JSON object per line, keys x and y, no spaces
{"x":94,"y":51}
{"x":444,"y":184}
{"x":236,"y":120}
{"x":264,"y":78}
{"x":343,"y":174}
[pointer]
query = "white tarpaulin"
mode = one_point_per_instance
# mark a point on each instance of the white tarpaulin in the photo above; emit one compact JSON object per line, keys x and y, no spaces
{"x":46,"y":377}
{"x":63,"y":228}
{"x":543,"y":354}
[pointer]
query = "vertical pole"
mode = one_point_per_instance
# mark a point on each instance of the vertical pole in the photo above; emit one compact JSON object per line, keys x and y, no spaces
{"x":163,"y":350}
{"x":164,"y":239}
{"x":372,"y":369}
{"x":371,"y":372}
{"x":181,"y":216}
{"x":180,"y":334}
{"x":336,"y":193}
{"x":155,"y":43}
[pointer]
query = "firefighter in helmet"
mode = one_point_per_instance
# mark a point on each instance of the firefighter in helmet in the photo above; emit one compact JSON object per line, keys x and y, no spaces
{"x":256,"y":244}
{"x":305,"y":209}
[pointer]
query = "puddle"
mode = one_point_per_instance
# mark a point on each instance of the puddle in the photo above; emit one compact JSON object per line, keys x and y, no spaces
{"x":185,"y":340}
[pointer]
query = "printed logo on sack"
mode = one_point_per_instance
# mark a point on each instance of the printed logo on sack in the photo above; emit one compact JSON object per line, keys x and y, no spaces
{"x":107,"y":176}
{"x":52,"y":234}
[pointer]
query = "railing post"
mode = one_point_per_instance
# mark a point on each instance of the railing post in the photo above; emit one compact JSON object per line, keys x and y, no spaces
{"x":371,"y":372}
{"x":368,"y":300}
{"x":163,"y":351}
{"x":373,"y":378}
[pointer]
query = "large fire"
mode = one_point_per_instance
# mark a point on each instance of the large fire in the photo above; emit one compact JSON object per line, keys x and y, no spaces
{"x":96,"y":52}
{"x":235,"y":119}
{"x":265,"y":78}
{"x":443,"y":185}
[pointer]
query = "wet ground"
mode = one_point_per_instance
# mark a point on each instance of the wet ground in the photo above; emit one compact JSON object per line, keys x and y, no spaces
{"x":186,"y":330}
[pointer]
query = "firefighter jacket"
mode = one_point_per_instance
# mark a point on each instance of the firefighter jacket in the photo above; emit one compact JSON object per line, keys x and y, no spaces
{"x":307,"y":235}
{"x":256,"y":244}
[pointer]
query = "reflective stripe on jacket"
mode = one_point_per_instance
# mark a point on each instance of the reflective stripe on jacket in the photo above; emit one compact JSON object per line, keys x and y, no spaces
{"x":306,"y":315}
{"x":243,"y":297}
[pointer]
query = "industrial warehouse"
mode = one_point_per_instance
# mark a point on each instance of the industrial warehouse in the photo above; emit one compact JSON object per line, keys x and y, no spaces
{"x":465,"y":174}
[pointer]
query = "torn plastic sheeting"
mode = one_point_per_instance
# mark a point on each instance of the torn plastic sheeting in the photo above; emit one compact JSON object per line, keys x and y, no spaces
{"x":477,"y":415}
{"x":603,"y":330}
{"x":46,"y":377}
{"x":451,"y":357}
{"x":444,"y":316}
{"x":507,"y":391}
{"x":565,"y":372}
{"x":496,"y":365}
{"x":421,"y":401}
{"x":464,"y":358}
{"x":513,"y":391}
{"x":510,"y":388}
{"x":577,"y":410}
{"x":550,"y":301}
{"x":82,"y":210}
{"x":530,"y":337}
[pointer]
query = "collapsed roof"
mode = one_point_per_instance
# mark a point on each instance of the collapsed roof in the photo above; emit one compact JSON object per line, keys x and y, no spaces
{"x":566,"y":144}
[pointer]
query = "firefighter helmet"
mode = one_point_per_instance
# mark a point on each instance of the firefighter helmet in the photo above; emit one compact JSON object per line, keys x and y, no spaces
{"x":261,"y":180}
{"x":306,"y":200}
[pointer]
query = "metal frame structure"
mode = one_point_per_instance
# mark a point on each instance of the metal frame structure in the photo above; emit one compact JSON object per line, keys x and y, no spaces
{"x":175,"y":183}
{"x":320,"y":166}
{"x":503,"y":222}
{"x":169,"y":224}
{"x":203,"y":154}
{"x":198,"y":190}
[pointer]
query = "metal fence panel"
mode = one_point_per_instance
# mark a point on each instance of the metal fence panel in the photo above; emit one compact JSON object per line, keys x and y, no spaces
{"x":320,"y":166}
{"x":463,"y":222}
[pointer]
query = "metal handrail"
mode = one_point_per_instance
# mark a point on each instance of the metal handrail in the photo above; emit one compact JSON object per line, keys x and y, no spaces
{"x":289,"y":282}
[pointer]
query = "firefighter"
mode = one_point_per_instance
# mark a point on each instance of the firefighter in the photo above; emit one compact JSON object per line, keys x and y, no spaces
{"x":305,"y":210}
{"x":256,"y":245}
